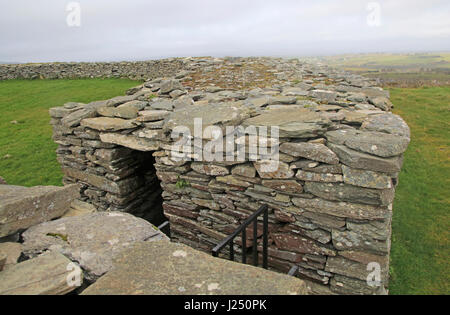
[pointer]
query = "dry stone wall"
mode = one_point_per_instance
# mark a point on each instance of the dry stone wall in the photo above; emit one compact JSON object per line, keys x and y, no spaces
{"x":138,"y":70}
{"x":330,"y":197}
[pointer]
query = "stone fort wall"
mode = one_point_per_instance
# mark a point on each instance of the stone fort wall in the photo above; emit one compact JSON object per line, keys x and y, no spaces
{"x":330,"y":198}
{"x":138,"y":70}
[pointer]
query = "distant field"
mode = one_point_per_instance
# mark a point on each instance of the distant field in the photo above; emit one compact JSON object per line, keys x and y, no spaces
{"x":27,"y":152}
{"x":396,"y":70}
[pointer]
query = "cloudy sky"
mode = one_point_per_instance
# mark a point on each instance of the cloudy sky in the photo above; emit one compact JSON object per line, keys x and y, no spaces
{"x":38,"y":30}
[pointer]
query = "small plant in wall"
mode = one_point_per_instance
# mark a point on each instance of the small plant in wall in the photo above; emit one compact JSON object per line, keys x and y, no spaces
{"x":151,"y":96}
{"x":181,"y":183}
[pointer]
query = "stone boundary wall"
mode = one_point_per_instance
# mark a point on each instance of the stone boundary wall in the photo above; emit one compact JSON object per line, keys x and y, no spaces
{"x":330,"y":199}
{"x":138,"y":70}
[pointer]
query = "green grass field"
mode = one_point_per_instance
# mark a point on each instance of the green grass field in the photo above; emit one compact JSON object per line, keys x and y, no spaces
{"x":420,"y":247}
{"x":27,"y":152}
{"x":420,"y":253}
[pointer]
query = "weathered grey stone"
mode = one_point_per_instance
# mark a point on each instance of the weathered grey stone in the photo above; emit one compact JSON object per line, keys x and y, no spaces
{"x":246,"y":170}
{"x":233,"y":180}
{"x":349,"y":240}
{"x":288,"y":186}
{"x":162,"y":105}
{"x":353,"y":117}
{"x":388,"y":123}
{"x":3,"y":258}
{"x":366,"y":179}
{"x":300,"y":244}
{"x":122,"y":187}
{"x":354,"y":269}
{"x":60,"y":112}
{"x":350,"y":193}
{"x":107,"y":123}
{"x":292,"y":123}
{"x":381,"y":102}
{"x":73,"y":119}
{"x":169,"y":86}
{"x":206,"y":203}
{"x":44,"y":275}
{"x":375,"y":143}
{"x":349,"y":286}
{"x":273,"y":169}
{"x":303,"y":164}
{"x":312,"y":151}
{"x":152,"y":115}
{"x":11,"y":252}
{"x":128,"y":110}
{"x":118,"y":100}
{"x":130,"y":141}
{"x":282,"y":100}
{"x":319,"y":235}
{"x":323,"y":94}
{"x":378,"y":230}
{"x":366,"y":161}
{"x":92,"y":240}
{"x":319,"y":177}
{"x":210,"y":169}
{"x":78,"y":207}
{"x":325,"y":221}
{"x":295,"y":91}
{"x":22,"y":207}
{"x":135,"y":273}
{"x":219,"y":115}
{"x":342,"y":209}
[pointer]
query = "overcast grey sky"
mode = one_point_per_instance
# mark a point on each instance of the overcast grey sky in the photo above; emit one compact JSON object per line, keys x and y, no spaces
{"x":37,"y":30}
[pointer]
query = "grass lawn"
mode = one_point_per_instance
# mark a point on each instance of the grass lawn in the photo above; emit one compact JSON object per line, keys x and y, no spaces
{"x":420,"y":247}
{"x":420,"y":252}
{"x":27,"y":152}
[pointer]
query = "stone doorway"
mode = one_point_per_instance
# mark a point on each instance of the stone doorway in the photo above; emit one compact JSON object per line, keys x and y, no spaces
{"x":117,"y":178}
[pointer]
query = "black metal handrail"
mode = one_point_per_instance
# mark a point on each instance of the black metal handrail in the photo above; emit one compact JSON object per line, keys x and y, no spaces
{"x":264,"y":209}
{"x":293,"y":271}
{"x":165,"y":228}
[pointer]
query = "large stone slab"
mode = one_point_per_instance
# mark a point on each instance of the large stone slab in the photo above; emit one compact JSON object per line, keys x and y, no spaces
{"x":122,"y":187}
{"x":22,"y":207}
{"x":300,"y":244}
{"x":312,"y":151}
{"x":360,"y":160}
{"x":387,"y":122}
{"x":292,"y":123}
{"x":342,"y":209}
{"x":107,"y":123}
{"x":12,"y":252}
{"x":43,"y":275}
{"x":366,"y":179}
{"x":163,"y":268}
{"x":130,"y":141}
{"x":350,"y":193}
{"x":375,"y":143}
{"x":92,"y":240}
{"x":219,"y":115}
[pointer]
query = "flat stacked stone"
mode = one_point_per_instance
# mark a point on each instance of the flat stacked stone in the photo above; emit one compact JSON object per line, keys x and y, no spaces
{"x":330,"y":195}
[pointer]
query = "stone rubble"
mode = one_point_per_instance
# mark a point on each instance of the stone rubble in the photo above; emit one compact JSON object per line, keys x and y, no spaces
{"x":43,"y":275}
{"x":23,"y":207}
{"x":91,"y":240}
{"x":341,"y":152}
